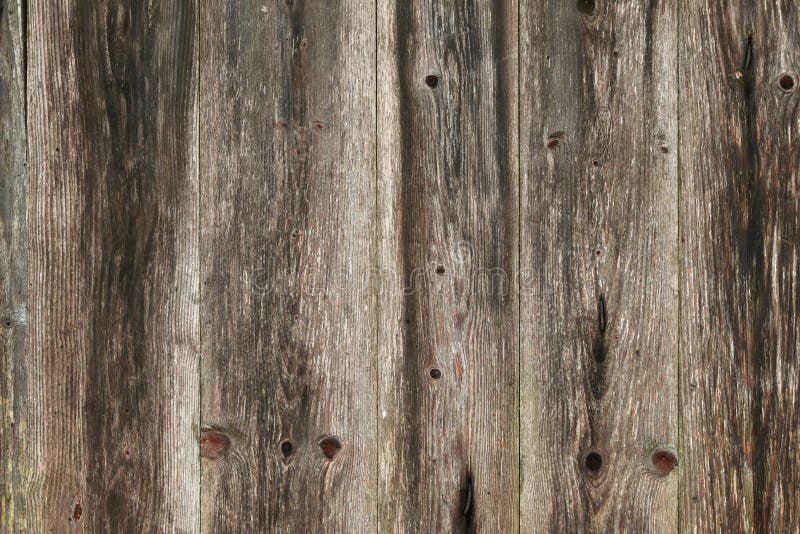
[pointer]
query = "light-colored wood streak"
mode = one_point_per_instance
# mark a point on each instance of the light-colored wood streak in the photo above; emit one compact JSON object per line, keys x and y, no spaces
{"x":288,"y":312}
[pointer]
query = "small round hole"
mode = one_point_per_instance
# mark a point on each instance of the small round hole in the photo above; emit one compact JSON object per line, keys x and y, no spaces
{"x":330,"y":447}
{"x":435,"y":373}
{"x":594,"y":461}
{"x":431,"y":80}
{"x":286,"y":448}
{"x":596,"y":163}
{"x":786,"y":82}
{"x":664,"y":461}
{"x":664,"y":150}
{"x":7,"y":322}
{"x":440,"y":269}
{"x":586,"y":7}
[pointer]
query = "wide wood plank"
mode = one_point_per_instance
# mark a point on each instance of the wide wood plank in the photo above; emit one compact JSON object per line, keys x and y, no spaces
{"x":288,"y":216}
{"x":112,"y":363}
{"x":599,"y":268}
{"x":13,"y":253}
{"x":447,"y":183}
{"x":740,"y":221}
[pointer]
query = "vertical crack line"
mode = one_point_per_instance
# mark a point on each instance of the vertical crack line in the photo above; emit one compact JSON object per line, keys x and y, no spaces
{"x":519,"y":267}
{"x":376,"y":286}
{"x":198,"y":16}
{"x":679,"y":149}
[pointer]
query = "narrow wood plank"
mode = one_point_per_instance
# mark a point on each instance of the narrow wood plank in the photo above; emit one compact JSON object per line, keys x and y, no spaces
{"x":112,"y":364}
{"x":599,"y":276}
{"x":13,"y":251}
{"x":288,"y":218}
{"x":740,"y":220}
{"x":448,"y":344}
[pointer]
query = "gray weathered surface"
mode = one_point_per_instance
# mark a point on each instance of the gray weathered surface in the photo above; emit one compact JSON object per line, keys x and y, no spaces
{"x":355,"y":266}
{"x":13,"y":254}
{"x":599,"y":266}
{"x":740,"y":220}
{"x":288,"y":215}
{"x":447,"y":183}
{"x":112,"y":359}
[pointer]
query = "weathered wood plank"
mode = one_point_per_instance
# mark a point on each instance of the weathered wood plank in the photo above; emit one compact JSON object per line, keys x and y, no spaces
{"x":448,"y":345}
{"x":740,"y":221}
{"x":112,"y":365}
{"x":599,"y":269}
{"x":288,"y":239}
{"x":13,"y":251}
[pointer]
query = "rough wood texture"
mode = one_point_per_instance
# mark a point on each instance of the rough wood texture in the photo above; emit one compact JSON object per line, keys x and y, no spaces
{"x":599,"y":268}
{"x":288,"y":217}
{"x":448,"y":259}
{"x":13,"y":252}
{"x":740,"y":220}
{"x":399,"y":266}
{"x":112,"y":364}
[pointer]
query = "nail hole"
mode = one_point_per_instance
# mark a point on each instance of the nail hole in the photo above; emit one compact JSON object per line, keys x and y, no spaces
{"x":330,"y":446}
{"x":286,"y":448}
{"x":586,"y":6}
{"x":440,"y":269}
{"x":552,"y":143}
{"x":431,"y":80}
{"x":664,"y":150}
{"x":786,"y":82}
{"x":7,"y":322}
{"x":664,"y":461}
{"x":596,"y":163}
{"x":435,"y":373}
{"x":598,"y":252}
{"x":594,"y":461}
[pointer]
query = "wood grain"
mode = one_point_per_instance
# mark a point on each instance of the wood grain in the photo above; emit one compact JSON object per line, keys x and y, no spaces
{"x":13,"y":254}
{"x":740,"y":221}
{"x":447,"y":337}
{"x":112,"y":361}
{"x":288,"y":241}
{"x":599,"y":267}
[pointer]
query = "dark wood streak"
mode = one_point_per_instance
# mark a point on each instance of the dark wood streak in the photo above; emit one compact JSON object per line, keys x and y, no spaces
{"x":739,"y":324}
{"x":113,"y":265}
{"x":598,"y":225}
{"x":14,"y":382}
{"x":408,"y":444}
{"x":447,"y":172}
